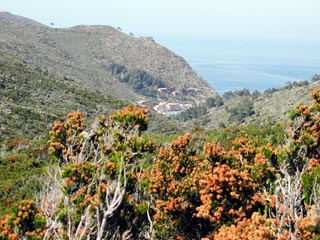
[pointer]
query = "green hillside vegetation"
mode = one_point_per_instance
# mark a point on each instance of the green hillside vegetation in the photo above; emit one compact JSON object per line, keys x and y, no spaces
{"x":61,"y":176}
{"x":23,"y":167}
{"x":31,"y":98}
{"x":242,"y":107}
{"x":110,"y":181}
{"x":27,"y":88}
{"x":141,"y":82}
{"x":79,"y":161}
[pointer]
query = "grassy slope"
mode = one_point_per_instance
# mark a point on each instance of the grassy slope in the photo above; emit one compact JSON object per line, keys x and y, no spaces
{"x":269,"y":108}
{"x":31,"y":98}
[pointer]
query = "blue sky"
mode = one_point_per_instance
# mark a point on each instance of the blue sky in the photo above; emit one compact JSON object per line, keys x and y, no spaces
{"x":261,"y":19}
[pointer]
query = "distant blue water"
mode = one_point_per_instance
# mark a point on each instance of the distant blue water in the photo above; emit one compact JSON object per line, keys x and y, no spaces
{"x":233,"y":64}
{"x":229,"y":76}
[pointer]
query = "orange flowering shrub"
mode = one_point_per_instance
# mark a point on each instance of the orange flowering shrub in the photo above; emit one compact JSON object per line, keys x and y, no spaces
{"x":26,"y":222}
{"x":131,"y":118}
{"x":305,"y":128}
{"x":226,"y":194}
{"x":243,"y":154}
{"x":6,"y":229}
{"x":309,"y":226}
{"x":101,"y":173}
{"x":108,"y":188}
{"x":231,"y":187}
{"x":204,"y":191}
{"x":242,"y":149}
{"x":216,"y":154}
{"x":174,"y":188}
{"x":65,"y":136}
{"x":254,"y":228}
{"x":243,"y":163}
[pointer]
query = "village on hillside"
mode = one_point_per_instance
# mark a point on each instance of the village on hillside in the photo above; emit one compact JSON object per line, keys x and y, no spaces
{"x":170,"y":107}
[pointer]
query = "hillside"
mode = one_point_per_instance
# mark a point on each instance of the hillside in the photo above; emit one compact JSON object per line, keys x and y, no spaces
{"x":9,"y":17}
{"x":267,"y":108}
{"x":103,"y":58}
{"x":77,"y":161}
{"x":31,"y":98}
{"x":236,"y":183}
{"x":115,"y":65}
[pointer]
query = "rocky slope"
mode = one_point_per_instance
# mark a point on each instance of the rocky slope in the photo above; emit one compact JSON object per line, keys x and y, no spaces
{"x":93,"y":55}
{"x":9,"y":17}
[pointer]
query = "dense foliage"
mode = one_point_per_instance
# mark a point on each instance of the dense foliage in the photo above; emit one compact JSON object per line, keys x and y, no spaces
{"x":192,"y":113}
{"x":214,"y":102}
{"x":141,"y":81}
{"x":111,"y":182}
{"x":241,"y":111}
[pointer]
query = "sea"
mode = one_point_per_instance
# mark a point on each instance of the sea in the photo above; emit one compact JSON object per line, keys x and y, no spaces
{"x":235,"y":64}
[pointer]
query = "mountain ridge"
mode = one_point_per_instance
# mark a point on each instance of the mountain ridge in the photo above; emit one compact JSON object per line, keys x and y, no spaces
{"x":85,"y":54}
{"x":9,"y":17}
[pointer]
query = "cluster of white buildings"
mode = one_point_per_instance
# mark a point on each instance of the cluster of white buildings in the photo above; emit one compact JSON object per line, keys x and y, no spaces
{"x":171,"y":108}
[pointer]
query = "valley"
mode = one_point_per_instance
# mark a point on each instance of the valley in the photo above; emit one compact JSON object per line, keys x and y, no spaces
{"x":105,"y":135}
